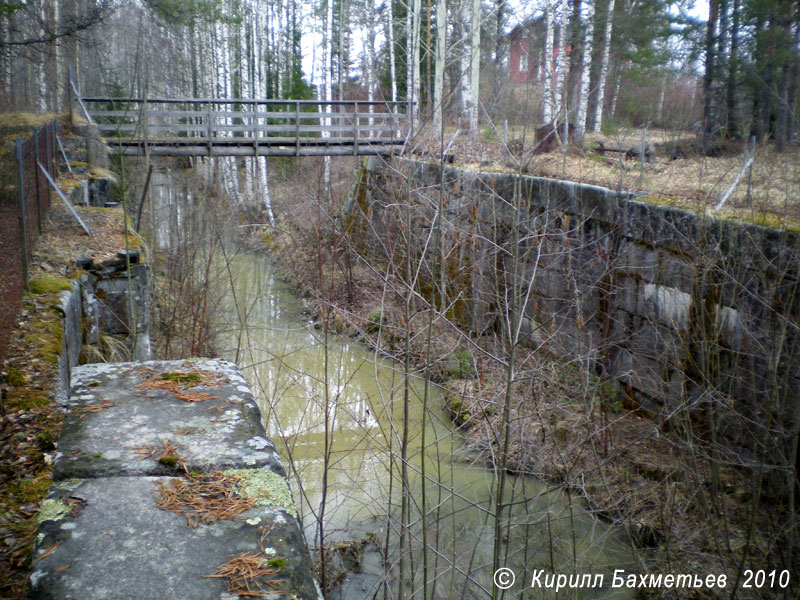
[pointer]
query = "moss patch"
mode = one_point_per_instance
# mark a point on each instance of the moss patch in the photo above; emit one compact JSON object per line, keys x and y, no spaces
{"x":182,"y":377}
{"x":24,"y":399}
{"x":49,"y":285}
{"x":265,"y":488}
{"x":52,"y":510}
{"x":15,"y":377}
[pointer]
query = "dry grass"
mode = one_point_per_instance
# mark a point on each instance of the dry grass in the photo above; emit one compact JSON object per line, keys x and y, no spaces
{"x":26,"y":119}
{"x":203,"y":498}
{"x":168,"y":457}
{"x":246,"y":575}
{"x":694,"y":183}
{"x":94,"y":408}
{"x":180,"y":384}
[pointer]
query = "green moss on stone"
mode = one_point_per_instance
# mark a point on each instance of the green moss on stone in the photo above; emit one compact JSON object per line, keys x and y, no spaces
{"x":49,"y":285}
{"x":168,"y":460}
{"x":182,"y":377}
{"x":265,"y":488}
{"x":52,"y":510}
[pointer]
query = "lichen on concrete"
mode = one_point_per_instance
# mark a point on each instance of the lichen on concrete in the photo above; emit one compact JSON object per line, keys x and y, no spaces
{"x":52,"y":510}
{"x":265,"y":488}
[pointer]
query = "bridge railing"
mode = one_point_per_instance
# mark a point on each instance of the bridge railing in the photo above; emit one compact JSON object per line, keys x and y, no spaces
{"x":213,"y":121}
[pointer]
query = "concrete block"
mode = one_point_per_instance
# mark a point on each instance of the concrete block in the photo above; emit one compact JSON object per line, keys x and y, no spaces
{"x":107,"y":538}
{"x":117,"y":426}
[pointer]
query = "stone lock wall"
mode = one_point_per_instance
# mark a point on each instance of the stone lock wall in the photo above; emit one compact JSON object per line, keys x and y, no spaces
{"x":686,"y":311}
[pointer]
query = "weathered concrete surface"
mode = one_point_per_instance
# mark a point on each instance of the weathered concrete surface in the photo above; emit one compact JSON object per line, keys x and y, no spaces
{"x":116,"y":543}
{"x":102,"y":534}
{"x":71,"y":340}
{"x":116,"y":304}
{"x":117,"y":427}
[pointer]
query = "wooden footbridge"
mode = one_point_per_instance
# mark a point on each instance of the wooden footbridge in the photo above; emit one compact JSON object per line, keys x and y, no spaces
{"x":214,"y":127}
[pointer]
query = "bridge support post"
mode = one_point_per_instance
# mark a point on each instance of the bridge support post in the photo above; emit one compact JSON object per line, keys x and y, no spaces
{"x":297,"y":128}
{"x":255,"y":129}
{"x":209,"y":128}
{"x":355,"y":124}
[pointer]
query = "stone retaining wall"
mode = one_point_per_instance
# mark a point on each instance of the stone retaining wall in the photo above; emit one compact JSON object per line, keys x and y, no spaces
{"x":686,"y":311}
{"x":139,"y":434}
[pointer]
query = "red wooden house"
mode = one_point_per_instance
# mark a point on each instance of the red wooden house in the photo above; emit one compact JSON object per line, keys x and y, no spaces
{"x":526,"y":51}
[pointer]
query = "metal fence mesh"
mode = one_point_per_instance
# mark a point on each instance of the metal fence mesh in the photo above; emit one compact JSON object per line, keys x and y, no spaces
{"x":24,"y":199}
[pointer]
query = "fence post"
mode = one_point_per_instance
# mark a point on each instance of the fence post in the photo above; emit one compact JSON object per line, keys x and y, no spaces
{"x":751,"y":146}
{"x":641,"y":157}
{"x":70,"y":99}
{"x":38,"y":189}
{"x":52,"y":144}
{"x":22,"y":218}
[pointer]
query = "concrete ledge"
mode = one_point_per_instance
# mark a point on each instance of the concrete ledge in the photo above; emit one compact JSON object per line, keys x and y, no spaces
{"x":143,"y":445}
{"x":116,"y":414}
{"x":106,"y":538}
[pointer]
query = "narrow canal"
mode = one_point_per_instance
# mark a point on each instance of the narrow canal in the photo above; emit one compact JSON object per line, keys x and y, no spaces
{"x":284,"y":356}
{"x":296,"y":371}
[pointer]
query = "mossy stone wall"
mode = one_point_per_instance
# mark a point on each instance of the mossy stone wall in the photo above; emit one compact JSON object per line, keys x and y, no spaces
{"x":686,"y":311}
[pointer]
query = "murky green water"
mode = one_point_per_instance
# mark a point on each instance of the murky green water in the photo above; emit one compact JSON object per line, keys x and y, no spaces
{"x":296,"y":372}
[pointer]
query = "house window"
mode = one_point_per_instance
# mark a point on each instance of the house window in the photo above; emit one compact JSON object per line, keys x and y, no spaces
{"x":523,"y":63}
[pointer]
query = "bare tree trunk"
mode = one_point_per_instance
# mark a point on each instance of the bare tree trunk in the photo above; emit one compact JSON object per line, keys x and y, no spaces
{"x":709,"y":102}
{"x":733,"y":70}
{"x":601,"y":82}
{"x":661,"y":93}
{"x":574,"y":58}
{"x":441,"y":49}
{"x":370,"y":51}
{"x":475,"y":68}
{"x":327,"y":62}
{"x":392,"y":57}
{"x":417,"y":12}
{"x":617,"y":84}
{"x":561,"y":63}
{"x":547,"y":104}
{"x":466,"y":24}
{"x":583,"y":104}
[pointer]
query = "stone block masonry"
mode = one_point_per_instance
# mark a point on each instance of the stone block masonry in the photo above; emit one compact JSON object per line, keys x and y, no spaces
{"x":165,"y":486}
{"x":693,"y":315}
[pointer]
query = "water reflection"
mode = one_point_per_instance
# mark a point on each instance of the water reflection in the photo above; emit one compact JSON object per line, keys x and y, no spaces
{"x":288,"y":363}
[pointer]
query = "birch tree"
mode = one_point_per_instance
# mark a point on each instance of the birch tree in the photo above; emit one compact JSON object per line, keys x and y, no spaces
{"x":465,"y":62}
{"x":474,"y":70}
{"x":412,"y":68}
{"x":389,"y":24}
{"x":583,"y":103}
{"x":561,"y":62}
{"x":547,"y":104}
{"x":470,"y":63}
{"x":601,"y":80}
{"x":441,"y":49}
{"x":369,"y":76}
{"x":327,"y":67}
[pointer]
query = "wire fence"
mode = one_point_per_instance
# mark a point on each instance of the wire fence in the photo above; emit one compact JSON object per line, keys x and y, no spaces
{"x":22,"y":214}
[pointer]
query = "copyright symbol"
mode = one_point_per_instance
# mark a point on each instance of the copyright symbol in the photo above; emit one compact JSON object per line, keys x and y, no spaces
{"x":504,"y":578}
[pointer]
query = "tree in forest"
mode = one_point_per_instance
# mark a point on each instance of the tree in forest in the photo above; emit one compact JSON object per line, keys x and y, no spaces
{"x":586,"y":67}
{"x":441,"y":54}
{"x":751,"y":67}
{"x":39,"y":41}
{"x":603,"y":73}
